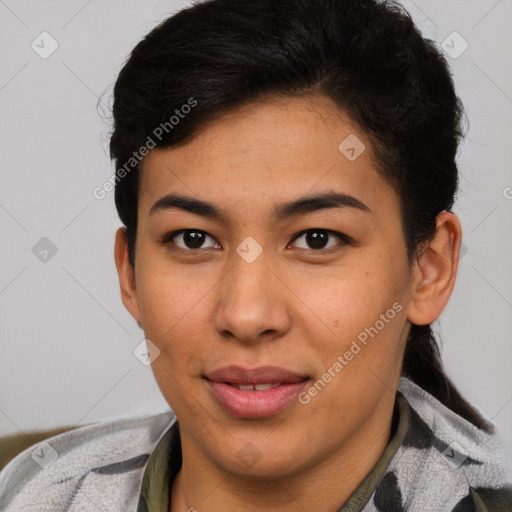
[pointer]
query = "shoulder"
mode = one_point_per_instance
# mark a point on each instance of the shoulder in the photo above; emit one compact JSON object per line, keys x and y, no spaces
{"x":447,"y":460}
{"x":445,"y":428}
{"x":102,"y":463}
{"x":486,"y":500}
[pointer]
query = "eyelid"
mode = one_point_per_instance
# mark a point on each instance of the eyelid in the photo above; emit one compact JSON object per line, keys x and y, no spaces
{"x":166,"y":239}
{"x":346,"y":240}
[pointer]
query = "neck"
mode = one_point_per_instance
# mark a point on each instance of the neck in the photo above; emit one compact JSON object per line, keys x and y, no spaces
{"x":326,"y":485}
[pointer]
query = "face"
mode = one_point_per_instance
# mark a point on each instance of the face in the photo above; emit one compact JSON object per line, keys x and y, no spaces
{"x":319,"y":290}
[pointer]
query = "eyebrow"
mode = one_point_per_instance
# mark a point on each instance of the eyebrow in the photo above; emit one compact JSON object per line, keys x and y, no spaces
{"x":282,"y":211}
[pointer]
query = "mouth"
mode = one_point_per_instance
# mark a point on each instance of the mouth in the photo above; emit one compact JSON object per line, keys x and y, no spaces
{"x":255,"y":393}
{"x":255,"y":387}
{"x":254,"y":376}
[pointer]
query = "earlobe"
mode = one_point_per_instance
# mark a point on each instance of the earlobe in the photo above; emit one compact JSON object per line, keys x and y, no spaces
{"x":126,"y":275}
{"x":435,"y":271}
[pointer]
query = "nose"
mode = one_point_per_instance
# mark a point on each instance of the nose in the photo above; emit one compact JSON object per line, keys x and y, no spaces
{"x":252,"y":302}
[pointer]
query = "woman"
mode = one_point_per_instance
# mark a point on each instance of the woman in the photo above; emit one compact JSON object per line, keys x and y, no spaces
{"x":285,"y":177}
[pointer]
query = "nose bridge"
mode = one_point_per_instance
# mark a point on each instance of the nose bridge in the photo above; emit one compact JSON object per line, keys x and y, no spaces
{"x":249,"y":301}
{"x":248,"y":280}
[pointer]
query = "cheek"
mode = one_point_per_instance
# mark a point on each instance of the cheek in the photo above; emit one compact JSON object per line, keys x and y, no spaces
{"x":176,"y":313}
{"x":355,"y":313}
{"x":173,"y":316}
{"x":346,"y":300}
{"x":166,"y":291}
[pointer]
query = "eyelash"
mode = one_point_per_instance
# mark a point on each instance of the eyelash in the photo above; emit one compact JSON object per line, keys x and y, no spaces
{"x":344,"y":238}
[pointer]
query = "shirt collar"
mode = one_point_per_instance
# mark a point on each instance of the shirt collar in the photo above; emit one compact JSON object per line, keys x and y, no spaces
{"x":162,"y":467}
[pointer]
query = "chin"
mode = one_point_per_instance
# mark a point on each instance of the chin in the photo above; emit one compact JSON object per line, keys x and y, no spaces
{"x":263,"y":462}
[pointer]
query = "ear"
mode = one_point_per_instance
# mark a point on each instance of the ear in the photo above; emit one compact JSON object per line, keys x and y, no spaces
{"x":435,"y":270}
{"x":126,"y":275}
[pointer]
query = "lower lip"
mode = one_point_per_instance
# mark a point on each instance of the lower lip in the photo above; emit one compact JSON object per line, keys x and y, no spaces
{"x":256,"y":404}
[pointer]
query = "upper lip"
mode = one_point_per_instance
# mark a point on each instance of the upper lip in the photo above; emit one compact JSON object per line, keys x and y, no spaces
{"x":259,"y":375}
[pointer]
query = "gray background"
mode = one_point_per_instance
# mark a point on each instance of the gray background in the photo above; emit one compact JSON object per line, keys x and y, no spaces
{"x":66,"y":353}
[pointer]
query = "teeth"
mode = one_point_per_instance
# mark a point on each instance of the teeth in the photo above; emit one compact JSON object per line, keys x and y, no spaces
{"x":262,"y":387}
{"x":257,"y":387}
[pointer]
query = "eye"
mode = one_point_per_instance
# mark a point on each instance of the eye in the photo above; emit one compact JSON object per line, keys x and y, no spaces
{"x":318,"y":239}
{"x":191,"y":239}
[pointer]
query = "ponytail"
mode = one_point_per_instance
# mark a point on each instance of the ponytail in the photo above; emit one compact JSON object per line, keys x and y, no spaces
{"x":423,"y":365}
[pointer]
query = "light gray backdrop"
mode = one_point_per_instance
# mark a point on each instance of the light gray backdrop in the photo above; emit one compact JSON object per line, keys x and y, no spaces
{"x":66,"y":352}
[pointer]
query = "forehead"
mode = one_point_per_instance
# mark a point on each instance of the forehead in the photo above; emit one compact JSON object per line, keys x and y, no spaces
{"x":268,"y":152}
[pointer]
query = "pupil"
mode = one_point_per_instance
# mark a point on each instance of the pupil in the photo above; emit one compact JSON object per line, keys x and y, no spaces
{"x":194,"y":239}
{"x":316,"y":239}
